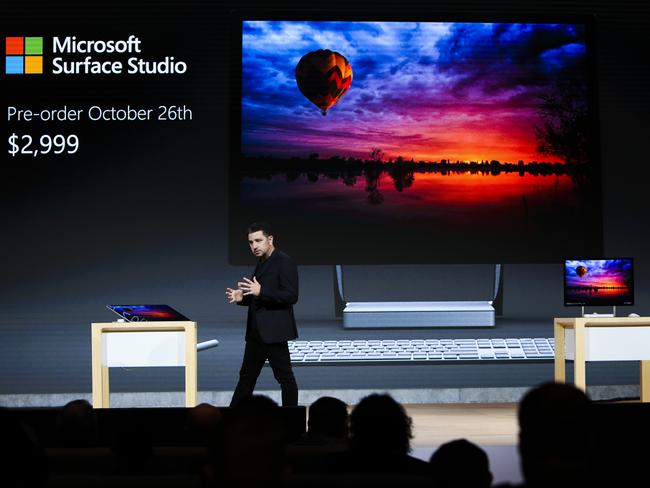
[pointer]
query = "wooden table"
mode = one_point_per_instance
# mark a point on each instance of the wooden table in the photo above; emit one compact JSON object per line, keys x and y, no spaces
{"x":585,"y":339}
{"x":142,"y":344}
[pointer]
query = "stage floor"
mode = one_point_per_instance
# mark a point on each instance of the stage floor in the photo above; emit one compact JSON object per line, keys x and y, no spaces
{"x":483,"y":424}
{"x":491,"y":426}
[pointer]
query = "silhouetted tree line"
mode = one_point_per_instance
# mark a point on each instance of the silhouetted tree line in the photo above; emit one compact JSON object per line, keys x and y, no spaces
{"x":337,"y":166}
{"x":596,"y":288}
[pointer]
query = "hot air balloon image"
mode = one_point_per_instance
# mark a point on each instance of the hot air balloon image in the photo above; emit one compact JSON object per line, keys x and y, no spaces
{"x":581,"y":271}
{"x":323,"y":77}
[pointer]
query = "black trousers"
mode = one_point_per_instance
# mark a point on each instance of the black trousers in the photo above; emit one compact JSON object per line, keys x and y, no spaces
{"x":255,"y":355}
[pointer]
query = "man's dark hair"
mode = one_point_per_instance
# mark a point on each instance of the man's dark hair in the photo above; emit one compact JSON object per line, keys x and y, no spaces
{"x":76,"y":424}
{"x":254,"y":445}
{"x":380,"y":424}
{"x":461,"y":464}
{"x":266,"y":229}
{"x":547,"y":413}
{"x":328,"y":417}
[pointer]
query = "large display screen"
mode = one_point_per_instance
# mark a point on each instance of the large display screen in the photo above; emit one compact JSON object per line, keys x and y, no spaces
{"x":598,"y":282}
{"x":394,"y":141}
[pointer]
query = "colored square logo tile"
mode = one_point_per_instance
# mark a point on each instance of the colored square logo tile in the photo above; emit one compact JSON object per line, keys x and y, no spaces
{"x":14,"y":65}
{"x":13,"y":45}
{"x":33,"y":65}
{"x":33,"y":45}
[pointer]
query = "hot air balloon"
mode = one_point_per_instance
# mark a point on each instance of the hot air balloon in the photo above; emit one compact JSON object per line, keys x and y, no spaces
{"x":323,"y":77}
{"x":581,"y":271}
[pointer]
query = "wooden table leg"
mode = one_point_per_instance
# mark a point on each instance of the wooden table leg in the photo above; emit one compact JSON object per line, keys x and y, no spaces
{"x":106,"y":394}
{"x":191,"y":381}
{"x":579,"y":366}
{"x":645,"y":381}
{"x":96,"y":365}
{"x":560,"y":355}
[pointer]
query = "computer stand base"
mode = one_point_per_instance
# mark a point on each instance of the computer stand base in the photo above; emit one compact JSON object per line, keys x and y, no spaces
{"x":394,"y":315}
{"x":613,"y":314}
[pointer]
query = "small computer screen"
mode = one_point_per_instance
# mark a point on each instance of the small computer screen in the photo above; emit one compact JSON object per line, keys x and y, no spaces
{"x":146,"y":313}
{"x":598,"y":282}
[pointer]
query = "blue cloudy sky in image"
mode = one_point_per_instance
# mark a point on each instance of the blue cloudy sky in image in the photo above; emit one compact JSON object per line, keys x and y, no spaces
{"x":607,"y":272}
{"x":467,"y":91}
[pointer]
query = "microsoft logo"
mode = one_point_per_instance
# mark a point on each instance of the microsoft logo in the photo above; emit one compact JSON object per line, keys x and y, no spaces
{"x":24,"y":55}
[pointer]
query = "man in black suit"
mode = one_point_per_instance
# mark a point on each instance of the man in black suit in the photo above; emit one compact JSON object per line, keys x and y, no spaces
{"x":270,"y":296}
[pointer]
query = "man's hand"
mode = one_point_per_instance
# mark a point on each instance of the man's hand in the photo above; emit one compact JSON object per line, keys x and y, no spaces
{"x":234,"y":296}
{"x":250,"y":287}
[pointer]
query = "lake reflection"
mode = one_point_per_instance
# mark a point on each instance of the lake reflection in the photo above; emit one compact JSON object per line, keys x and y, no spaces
{"x":449,"y":197}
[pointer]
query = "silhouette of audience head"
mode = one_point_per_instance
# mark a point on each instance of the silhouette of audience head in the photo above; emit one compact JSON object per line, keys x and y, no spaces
{"x":328,"y":417}
{"x":76,"y":424}
{"x":554,"y":435}
{"x":22,"y":461}
{"x":253,"y":451}
{"x":202,"y":424}
{"x":379,"y":424}
{"x":460,"y":464}
{"x":132,"y":443}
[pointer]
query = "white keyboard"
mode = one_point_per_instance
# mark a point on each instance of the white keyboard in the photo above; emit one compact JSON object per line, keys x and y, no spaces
{"x":423,"y":350}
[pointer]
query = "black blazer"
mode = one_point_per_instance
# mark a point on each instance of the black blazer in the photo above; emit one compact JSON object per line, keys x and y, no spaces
{"x":272,"y":310}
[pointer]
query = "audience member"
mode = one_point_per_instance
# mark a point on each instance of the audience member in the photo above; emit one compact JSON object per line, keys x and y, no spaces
{"x":380,"y":439}
{"x":76,"y":425}
{"x":253,"y":446}
{"x":460,"y":464}
{"x":202,"y":425}
{"x":132,"y":444}
{"x":22,"y":461}
{"x":327,"y":435}
{"x":554,"y":436}
{"x":327,"y":424}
